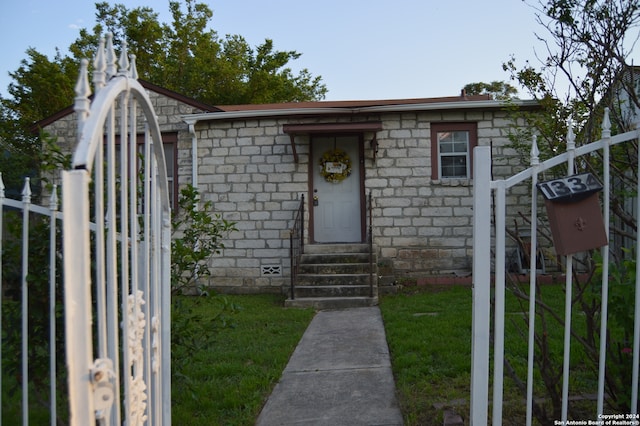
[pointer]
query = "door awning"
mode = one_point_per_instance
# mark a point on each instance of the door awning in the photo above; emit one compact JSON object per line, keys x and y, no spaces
{"x":320,"y":128}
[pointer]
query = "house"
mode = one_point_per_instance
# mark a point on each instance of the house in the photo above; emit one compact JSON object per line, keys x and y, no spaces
{"x":413,"y":157}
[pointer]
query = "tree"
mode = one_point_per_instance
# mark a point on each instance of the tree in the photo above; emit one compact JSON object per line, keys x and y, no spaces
{"x":189,"y":58}
{"x":185,"y":56}
{"x":585,"y":69}
{"x":499,"y":90}
{"x":41,"y":87}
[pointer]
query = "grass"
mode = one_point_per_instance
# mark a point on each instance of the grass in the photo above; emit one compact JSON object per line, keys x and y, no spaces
{"x":231,"y":352}
{"x":225,"y":378}
{"x":429,"y":336}
{"x":228,"y":352}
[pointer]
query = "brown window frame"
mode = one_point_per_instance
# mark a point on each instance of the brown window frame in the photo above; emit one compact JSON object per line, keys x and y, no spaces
{"x":470,"y":127}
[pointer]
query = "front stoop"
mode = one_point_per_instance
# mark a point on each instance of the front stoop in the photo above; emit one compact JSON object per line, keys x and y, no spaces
{"x":335,"y":276}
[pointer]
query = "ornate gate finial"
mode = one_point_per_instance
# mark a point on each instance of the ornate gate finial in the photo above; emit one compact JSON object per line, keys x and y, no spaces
{"x":123,"y":62}
{"x":535,"y":153}
{"x":111,"y":57}
{"x":26,"y":191}
{"x":133,"y":73}
{"x":571,"y":137}
{"x":83,"y":91}
{"x":606,"y":124}
{"x":99,"y":67}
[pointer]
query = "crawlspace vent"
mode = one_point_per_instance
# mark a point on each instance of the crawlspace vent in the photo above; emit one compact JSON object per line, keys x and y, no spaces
{"x":270,"y":270}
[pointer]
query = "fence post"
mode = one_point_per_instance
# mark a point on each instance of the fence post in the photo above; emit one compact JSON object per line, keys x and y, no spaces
{"x":604,"y":310}
{"x":481,"y":285}
{"x":77,"y":295}
{"x":26,"y":200}
{"x":535,"y":164}
{"x":53,"y":207}
{"x":568,"y":303}
{"x":1,"y":276}
{"x":636,"y":316}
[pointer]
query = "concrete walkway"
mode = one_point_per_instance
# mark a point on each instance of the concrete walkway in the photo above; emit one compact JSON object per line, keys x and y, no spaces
{"x":339,"y":374}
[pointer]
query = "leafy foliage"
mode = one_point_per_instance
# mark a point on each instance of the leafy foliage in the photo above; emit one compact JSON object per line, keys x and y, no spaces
{"x":197,"y":234}
{"x":185,"y":56}
{"x":499,"y":90}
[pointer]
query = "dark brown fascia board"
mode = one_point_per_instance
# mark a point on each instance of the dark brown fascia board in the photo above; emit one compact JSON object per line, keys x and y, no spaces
{"x":179,"y":97}
{"x":370,"y":126}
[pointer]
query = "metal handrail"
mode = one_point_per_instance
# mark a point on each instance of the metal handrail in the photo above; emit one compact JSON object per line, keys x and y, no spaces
{"x":370,"y":240}
{"x":296,"y":246}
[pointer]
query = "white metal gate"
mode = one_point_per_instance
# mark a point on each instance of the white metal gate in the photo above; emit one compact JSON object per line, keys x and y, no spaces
{"x":488,"y":192}
{"x":117,"y":276}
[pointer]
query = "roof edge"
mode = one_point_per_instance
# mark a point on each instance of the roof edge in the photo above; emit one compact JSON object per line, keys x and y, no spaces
{"x":35,"y":127}
{"x":426,"y":106}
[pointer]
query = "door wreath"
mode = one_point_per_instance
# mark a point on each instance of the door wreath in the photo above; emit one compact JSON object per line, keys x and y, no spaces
{"x":335,"y":166}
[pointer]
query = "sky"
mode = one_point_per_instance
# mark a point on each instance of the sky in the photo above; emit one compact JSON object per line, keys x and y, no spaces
{"x":362,"y":49}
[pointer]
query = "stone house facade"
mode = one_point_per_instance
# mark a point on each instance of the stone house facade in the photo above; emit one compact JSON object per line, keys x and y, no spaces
{"x":413,"y":157}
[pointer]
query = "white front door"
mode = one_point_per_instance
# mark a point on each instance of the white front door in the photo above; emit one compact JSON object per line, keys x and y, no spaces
{"x":336,"y":196}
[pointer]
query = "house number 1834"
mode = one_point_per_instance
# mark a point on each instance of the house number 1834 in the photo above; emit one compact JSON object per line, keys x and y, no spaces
{"x":570,"y":186}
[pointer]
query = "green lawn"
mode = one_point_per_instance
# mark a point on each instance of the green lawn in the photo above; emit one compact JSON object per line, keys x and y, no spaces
{"x":224,"y":377}
{"x":429,"y":336}
{"x":231,"y":351}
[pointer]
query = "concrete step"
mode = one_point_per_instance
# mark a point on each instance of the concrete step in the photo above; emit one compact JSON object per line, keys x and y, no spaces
{"x":334,"y":279}
{"x":315,"y":258}
{"x":336,"y":248}
{"x":335,"y":276}
{"x":305,"y":291}
{"x":334,"y":268}
{"x":320,"y":303}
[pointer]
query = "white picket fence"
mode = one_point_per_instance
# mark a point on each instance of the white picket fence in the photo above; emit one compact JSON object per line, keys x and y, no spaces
{"x":115,"y":240}
{"x":488,"y":193}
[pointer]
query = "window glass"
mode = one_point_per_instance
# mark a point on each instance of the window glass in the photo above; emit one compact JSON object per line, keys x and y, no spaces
{"x":454,"y":166}
{"x":453,"y":150}
{"x":169,"y":149}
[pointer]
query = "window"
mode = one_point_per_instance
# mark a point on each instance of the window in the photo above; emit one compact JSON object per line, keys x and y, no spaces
{"x":169,"y":143}
{"x":170,"y":159}
{"x":451,"y":150}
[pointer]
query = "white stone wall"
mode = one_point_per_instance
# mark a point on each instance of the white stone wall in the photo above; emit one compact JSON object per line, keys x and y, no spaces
{"x":246,"y":168}
{"x":421,"y":227}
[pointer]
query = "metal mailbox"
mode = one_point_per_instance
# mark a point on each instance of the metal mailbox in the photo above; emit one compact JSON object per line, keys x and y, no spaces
{"x":574,"y":213}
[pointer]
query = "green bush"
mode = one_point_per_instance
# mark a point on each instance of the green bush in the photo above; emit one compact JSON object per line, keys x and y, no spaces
{"x":197,"y":235}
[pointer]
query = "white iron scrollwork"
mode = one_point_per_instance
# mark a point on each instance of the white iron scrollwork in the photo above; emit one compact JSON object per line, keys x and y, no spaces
{"x":102,"y":377}
{"x":137,"y":323}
